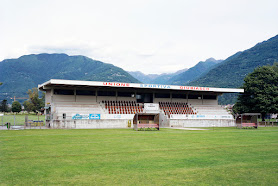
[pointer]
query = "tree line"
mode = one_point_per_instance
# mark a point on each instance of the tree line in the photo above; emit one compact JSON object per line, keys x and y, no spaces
{"x":33,"y":104}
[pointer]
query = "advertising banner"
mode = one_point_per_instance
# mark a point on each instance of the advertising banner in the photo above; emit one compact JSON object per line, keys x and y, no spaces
{"x":86,"y":116}
{"x":178,"y":116}
{"x":117,"y":116}
{"x":151,"y":106}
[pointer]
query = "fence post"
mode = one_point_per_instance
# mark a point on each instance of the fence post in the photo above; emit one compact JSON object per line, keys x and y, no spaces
{"x":26,"y":121}
{"x":14,"y":120}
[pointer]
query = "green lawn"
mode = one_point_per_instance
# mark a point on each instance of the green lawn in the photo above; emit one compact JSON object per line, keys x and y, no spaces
{"x":267,"y":120}
{"x":19,"y":119}
{"x":223,"y":156}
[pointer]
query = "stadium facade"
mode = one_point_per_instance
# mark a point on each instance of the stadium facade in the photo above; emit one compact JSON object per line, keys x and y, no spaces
{"x":92,"y":104}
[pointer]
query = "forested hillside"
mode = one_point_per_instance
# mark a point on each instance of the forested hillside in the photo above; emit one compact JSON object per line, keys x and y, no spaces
{"x":232,"y":71}
{"x":26,"y":72}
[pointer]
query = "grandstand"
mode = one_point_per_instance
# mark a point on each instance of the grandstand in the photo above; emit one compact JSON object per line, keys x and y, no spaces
{"x":91,"y":104}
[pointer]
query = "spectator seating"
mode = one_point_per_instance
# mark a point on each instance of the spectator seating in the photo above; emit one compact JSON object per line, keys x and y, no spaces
{"x":123,"y":107}
{"x":176,"y":108}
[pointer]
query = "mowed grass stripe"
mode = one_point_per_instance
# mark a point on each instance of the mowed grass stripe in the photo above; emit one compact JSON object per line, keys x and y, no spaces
{"x":224,"y":156}
{"x":142,"y":151}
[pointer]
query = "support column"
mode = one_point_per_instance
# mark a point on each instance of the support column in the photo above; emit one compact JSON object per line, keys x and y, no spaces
{"x":74,"y":92}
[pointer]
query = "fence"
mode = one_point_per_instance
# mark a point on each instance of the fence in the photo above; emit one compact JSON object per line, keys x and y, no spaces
{"x":21,"y":121}
{"x":268,"y":123}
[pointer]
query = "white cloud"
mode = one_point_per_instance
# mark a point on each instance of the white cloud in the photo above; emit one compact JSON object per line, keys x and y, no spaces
{"x":153,"y":36}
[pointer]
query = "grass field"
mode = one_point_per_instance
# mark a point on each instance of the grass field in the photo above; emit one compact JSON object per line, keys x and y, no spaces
{"x":223,"y":156}
{"x":19,"y":119}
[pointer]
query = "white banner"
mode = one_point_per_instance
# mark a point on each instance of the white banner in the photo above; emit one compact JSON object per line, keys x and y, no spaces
{"x":117,"y":116}
{"x":136,"y":85}
{"x":179,"y":116}
{"x":151,"y":106}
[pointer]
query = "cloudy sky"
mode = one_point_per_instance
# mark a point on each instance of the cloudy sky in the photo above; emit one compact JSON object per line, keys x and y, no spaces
{"x":152,"y":36}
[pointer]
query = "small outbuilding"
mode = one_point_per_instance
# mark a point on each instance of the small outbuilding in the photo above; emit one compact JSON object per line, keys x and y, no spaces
{"x":247,"y":120}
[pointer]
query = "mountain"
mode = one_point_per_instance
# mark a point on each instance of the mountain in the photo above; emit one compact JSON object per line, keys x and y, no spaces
{"x":165,"y":78}
{"x":144,"y":78}
{"x":180,"y":77}
{"x":26,"y":72}
{"x":232,"y":71}
{"x":154,"y":78}
{"x":194,"y":72}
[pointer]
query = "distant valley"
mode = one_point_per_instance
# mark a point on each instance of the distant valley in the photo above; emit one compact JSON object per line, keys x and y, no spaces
{"x":180,"y":77}
{"x":155,"y":78}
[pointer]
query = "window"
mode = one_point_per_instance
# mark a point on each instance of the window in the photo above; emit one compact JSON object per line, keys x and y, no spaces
{"x":209,"y":97}
{"x":63,"y":92}
{"x":181,"y":96}
{"x":194,"y":96}
{"x":106,"y":93}
{"x":86,"y":92}
{"x":162,"y":95}
{"x":125,"y":94}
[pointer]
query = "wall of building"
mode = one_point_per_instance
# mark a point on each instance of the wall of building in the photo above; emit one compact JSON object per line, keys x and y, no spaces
{"x":90,"y":124}
{"x":48,"y":96}
{"x":63,"y":98}
{"x":195,"y":101}
{"x":210,"y":102}
{"x":107,"y":98}
{"x":157,"y":100}
{"x":179,"y":100}
{"x":202,"y":123}
{"x":85,"y":99}
{"x":126,"y":99}
{"x":164,"y":121}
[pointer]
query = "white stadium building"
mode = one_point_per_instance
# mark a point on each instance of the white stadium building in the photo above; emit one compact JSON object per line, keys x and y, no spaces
{"x":92,"y":104}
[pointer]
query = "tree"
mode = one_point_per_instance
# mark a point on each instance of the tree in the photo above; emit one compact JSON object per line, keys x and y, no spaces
{"x":16,"y":106}
{"x":4,"y":106}
{"x":260,"y":92}
{"x":27,"y":106}
{"x":1,"y":83}
{"x":34,"y":103}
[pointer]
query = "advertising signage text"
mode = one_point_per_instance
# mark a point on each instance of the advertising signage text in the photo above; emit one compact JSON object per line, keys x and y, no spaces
{"x":116,"y":84}
{"x":154,"y":86}
{"x":86,"y":116}
{"x":194,"y":88}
